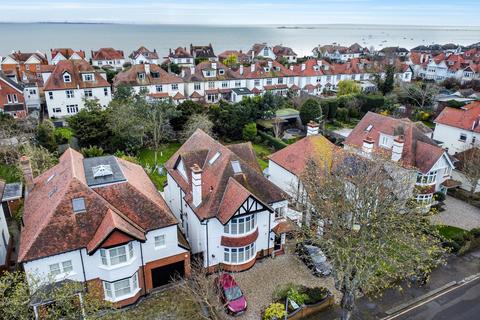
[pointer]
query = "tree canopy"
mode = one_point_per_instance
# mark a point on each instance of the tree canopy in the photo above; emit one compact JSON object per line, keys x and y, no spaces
{"x":348,"y":87}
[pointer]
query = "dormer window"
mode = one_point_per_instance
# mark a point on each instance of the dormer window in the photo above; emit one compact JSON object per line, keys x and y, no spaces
{"x":265,"y":52}
{"x":88,"y":77}
{"x":221,"y":71}
{"x":316,"y":68}
{"x":267,"y":69}
{"x":277,"y":68}
{"x":155,"y":75}
{"x":141,"y":76}
{"x":66,"y":77}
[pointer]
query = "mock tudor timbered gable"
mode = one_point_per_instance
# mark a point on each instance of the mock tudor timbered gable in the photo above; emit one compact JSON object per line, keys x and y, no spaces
{"x":251,"y":206}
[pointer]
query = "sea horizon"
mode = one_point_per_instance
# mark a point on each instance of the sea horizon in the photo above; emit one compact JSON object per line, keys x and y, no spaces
{"x":90,"y":35}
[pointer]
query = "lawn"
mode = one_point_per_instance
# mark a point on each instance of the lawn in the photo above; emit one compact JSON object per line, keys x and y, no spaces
{"x":147,"y":157}
{"x":262,"y":152}
{"x":10,"y":173}
{"x":450,"y":232}
{"x":169,"y":304}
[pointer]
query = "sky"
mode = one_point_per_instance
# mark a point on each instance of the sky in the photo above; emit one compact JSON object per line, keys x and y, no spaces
{"x":246,"y":12}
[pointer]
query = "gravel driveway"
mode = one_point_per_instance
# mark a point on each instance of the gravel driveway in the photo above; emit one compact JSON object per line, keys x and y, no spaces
{"x":259,"y":282}
{"x":458,"y":214}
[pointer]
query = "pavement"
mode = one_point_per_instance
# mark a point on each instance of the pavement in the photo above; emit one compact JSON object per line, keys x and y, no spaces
{"x":460,"y":303}
{"x":459,"y":214}
{"x":456,"y":270}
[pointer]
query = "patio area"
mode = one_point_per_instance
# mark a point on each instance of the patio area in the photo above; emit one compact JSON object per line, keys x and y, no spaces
{"x":458,"y":214}
{"x":259,"y":283}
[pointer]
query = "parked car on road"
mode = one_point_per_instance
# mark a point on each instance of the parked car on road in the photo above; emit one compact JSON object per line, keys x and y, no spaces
{"x":231,"y":294}
{"x":315,"y":259}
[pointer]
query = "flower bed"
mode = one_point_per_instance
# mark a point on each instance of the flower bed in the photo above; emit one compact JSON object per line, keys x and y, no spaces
{"x":303,"y":301}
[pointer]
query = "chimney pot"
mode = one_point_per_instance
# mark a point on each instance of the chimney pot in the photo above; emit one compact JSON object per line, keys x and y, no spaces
{"x":367,"y":147}
{"x":397,"y":148}
{"x":26,"y":168}
{"x":312,"y":128}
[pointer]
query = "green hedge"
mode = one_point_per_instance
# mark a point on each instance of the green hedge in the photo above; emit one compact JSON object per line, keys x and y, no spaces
{"x":272,"y":141}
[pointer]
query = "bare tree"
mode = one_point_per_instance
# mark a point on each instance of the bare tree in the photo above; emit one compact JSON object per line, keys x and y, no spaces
{"x":420,"y":94}
{"x":277,"y":126}
{"x":205,"y":290}
{"x":469,"y":165}
{"x":197,"y":121}
{"x":372,"y":237}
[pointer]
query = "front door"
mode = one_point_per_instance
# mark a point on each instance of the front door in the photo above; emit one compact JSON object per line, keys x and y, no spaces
{"x":277,"y":245}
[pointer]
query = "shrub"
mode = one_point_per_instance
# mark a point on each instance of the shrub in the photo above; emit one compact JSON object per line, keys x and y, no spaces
{"x":92,"y":151}
{"x":310,"y":110}
{"x":63,"y":135}
{"x":272,"y":141}
{"x":274,"y":311}
{"x":316,"y":294}
{"x":249,"y":131}
{"x":342,"y":114}
{"x":280,"y":293}
{"x":439,"y":196}
{"x":294,"y":295}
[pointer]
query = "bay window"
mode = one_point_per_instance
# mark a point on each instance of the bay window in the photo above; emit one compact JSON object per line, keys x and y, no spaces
{"x":425,"y":199}
{"x":121,"y":288}
{"x":117,"y":255}
{"x":428,"y":178}
{"x":240,"y":225}
{"x":240,"y":254}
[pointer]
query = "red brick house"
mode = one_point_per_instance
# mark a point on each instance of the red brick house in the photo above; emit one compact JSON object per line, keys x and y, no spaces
{"x":12,"y":100}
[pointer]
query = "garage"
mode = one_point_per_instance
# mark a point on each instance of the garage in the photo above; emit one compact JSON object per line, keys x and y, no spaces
{"x":163,"y":275}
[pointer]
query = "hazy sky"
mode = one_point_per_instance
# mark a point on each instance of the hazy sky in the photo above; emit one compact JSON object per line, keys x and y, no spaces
{"x":402,"y":12}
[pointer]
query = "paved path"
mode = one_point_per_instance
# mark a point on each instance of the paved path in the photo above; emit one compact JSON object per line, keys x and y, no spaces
{"x":461,"y":303}
{"x":458,"y":214}
{"x":262,"y":279}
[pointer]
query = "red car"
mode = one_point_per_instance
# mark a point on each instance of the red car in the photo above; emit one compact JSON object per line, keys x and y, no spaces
{"x":231,"y":294}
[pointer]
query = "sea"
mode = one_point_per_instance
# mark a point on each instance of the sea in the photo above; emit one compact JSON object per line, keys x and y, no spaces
{"x":302,"y":38}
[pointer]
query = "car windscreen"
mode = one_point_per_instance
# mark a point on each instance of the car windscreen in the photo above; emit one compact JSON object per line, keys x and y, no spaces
{"x":233,"y":293}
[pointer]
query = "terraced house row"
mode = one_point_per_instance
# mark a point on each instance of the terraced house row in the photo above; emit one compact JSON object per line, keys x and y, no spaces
{"x":203,"y":76}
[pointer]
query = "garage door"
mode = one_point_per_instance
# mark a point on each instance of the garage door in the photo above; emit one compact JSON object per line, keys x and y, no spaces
{"x":163,"y":275}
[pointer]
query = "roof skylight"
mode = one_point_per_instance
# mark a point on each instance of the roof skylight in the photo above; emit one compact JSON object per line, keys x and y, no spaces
{"x":214,"y":158}
{"x":369,"y":128}
{"x":102,"y":171}
{"x":236,"y":166}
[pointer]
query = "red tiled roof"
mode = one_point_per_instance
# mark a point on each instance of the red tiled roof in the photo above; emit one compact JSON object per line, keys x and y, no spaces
{"x":178,"y":96}
{"x":261,"y":67}
{"x":50,"y":225}
{"x":180,"y":53}
{"x":158,"y":95}
{"x":295,"y":156}
{"x":156,"y":75}
{"x":221,"y":186}
{"x":419,"y":151}
{"x":75,"y":68}
{"x":281,"y":51}
{"x":113,"y":221}
{"x":146,"y":53}
{"x":283,"y":227}
{"x":67,"y":53}
{"x":196,"y":95}
{"x":107,"y":54}
{"x":22,"y":57}
{"x":466,"y":118}
{"x":239,"y":241}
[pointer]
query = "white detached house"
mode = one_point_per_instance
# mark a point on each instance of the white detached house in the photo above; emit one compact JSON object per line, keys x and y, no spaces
{"x":232,"y":215}
{"x":70,"y":83}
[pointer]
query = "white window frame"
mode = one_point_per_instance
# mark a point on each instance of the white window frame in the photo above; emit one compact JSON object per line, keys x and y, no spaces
{"x":60,"y":269}
{"x":239,"y":255}
{"x":463,"y":137}
{"x":105,"y":91}
{"x":88,"y":77}
{"x":425,"y":199}
{"x":159,"y":88}
{"x":70,"y":94}
{"x":242,"y":225}
{"x":106,"y":255}
{"x":174,"y":86}
{"x":50,"y":95}
{"x":197,"y":86}
{"x":67,"y":78}
{"x":112,"y":289}
{"x":88,"y":92}
{"x":160,"y":241}
{"x":72,"y":108}
{"x":426,"y":179}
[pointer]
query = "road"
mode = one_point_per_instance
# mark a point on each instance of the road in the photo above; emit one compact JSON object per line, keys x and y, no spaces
{"x":458,"y":303}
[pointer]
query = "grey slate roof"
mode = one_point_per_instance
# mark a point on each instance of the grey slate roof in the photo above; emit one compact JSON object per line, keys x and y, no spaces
{"x":91,"y":164}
